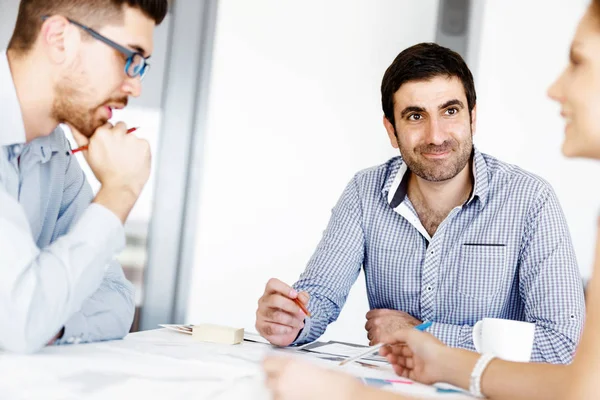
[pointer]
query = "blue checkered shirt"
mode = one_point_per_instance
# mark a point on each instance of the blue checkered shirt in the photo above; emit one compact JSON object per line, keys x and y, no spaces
{"x":505,"y":253}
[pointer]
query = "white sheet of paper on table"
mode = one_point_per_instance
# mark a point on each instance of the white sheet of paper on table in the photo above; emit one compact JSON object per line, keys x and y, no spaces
{"x":187,"y":329}
{"x":255,"y":337}
{"x":339,"y":349}
{"x":369,"y":351}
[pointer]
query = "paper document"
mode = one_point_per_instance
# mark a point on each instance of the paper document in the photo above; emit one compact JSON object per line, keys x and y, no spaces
{"x":337,"y":349}
{"x":367,"y":352}
{"x":255,"y":337}
{"x":178,"y":328}
{"x":344,"y":350}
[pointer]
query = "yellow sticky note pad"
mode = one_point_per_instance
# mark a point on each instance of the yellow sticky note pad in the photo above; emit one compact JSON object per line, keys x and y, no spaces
{"x":217,"y":334}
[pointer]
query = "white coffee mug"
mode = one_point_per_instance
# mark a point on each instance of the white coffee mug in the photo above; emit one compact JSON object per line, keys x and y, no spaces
{"x":505,"y":338}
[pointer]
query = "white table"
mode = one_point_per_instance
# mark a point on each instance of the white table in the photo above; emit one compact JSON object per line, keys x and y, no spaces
{"x":152,"y":365}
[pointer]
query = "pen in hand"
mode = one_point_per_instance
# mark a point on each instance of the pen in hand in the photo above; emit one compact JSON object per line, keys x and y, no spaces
{"x":424,"y":326}
{"x":302,"y":307}
{"x":370,"y":350}
{"x":82,"y":148}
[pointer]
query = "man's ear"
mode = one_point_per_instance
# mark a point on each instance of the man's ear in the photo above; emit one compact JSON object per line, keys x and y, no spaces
{"x":59,"y":39}
{"x":391,"y":131}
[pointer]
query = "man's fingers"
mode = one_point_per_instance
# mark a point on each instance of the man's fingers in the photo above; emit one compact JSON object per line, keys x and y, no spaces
{"x":80,"y":139}
{"x":274,"y":329}
{"x":373,"y":313}
{"x":283,"y":303}
{"x":276,"y":286}
{"x":277,"y":301}
{"x":121,"y":128}
{"x":271,"y":329}
{"x":373,"y":341}
{"x":283,"y":318}
{"x":374,"y":323}
{"x":372,"y":336}
{"x":304,"y":297}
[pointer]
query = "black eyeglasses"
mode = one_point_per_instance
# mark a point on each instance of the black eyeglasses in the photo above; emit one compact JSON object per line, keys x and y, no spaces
{"x":136,"y":65}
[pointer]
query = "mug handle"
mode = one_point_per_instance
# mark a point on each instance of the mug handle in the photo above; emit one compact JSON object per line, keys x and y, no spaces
{"x":477,"y":335}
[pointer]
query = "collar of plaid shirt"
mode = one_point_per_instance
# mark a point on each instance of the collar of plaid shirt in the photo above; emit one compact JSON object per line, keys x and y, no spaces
{"x":395,"y":186}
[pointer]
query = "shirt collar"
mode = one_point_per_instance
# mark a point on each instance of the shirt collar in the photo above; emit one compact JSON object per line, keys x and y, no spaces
{"x":13,"y":130}
{"x":396,"y":183}
{"x":482,"y":179}
{"x":44,"y":147}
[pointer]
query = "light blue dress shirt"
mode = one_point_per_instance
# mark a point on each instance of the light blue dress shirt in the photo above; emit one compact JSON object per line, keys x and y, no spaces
{"x":505,"y":253}
{"x":57,"y":250}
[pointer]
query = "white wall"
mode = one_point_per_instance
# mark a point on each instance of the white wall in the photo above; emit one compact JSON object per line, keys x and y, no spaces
{"x":294,"y":113}
{"x":524,"y":46}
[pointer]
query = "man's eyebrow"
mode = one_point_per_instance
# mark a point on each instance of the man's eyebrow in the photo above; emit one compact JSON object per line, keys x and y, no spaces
{"x":138,"y":48}
{"x":410,"y":109}
{"x":453,"y":102}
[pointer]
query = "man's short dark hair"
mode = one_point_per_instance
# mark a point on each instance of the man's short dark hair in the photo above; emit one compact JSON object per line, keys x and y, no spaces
{"x":94,"y":13}
{"x":420,"y":62}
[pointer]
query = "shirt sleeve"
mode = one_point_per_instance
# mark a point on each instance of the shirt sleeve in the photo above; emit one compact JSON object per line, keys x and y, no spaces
{"x":453,"y":335}
{"x":550,"y":283}
{"x":108,"y":313}
{"x":41,"y":288}
{"x":72,"y":282}
{"x":335,"y":265}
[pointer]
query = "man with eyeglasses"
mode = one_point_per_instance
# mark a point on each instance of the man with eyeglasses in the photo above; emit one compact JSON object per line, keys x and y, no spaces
{"x":70,"y":62}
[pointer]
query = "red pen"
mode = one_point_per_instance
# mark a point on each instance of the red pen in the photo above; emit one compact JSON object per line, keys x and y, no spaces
{"x":130,"y":130}
{"x":302,"y":307}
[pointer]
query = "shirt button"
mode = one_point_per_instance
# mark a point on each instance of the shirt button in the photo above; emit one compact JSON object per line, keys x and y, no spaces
{"x":429,"y":288}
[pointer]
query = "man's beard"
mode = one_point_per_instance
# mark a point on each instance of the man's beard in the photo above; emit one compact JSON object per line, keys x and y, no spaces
{"x":439,"y":170}
{"x":70,"y":106}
